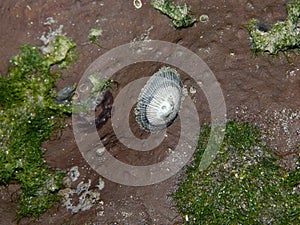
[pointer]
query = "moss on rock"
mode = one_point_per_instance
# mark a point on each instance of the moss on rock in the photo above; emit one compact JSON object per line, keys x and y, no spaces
{"x":243,"y":185}
{"x":283,"y":35}
{"x":28,"y":116}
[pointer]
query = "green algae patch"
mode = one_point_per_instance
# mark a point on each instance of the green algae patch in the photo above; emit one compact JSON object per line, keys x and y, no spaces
{"x":243,"y":185}
{"x":283,"y":35}
{"x":61,"y":51}
{"x":94,"y":35}
{"x":180,"y":15}
{"x":29,"y":115}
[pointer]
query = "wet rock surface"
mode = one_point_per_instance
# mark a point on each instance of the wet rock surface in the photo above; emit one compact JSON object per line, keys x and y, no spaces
{"x":264,"y":85}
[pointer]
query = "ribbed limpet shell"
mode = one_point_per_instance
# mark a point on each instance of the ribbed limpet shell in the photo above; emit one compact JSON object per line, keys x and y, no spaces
{"x":159,"y":101}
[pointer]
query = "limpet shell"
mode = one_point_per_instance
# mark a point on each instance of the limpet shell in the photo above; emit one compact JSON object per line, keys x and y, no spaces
{"x":65,"y":94}
{"x":160,"y":100}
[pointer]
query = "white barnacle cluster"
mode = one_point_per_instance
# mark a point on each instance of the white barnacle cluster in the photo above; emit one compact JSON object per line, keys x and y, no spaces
{"x":160,"y":100}
{"x":86,"y":196}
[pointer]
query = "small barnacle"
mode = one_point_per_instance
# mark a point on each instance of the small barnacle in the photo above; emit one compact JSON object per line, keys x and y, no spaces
{"x":203,"y":18}
{"x":137,"y":4}
{"x":159,"y":101}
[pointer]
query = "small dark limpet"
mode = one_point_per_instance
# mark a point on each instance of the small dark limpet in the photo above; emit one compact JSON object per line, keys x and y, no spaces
{"x":159,"y":101}
{"x":65,"y":94}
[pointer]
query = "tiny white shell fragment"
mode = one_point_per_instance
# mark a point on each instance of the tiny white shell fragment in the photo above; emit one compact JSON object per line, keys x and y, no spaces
{"x":186,"y":218}
{"x":74,"y":173}
{"x":100,"y":184}
{"x":193,"y":90}
{"x":160,"y":100}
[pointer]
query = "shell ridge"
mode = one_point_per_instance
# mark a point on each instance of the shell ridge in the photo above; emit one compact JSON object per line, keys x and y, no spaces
{"x":159,"y":100}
